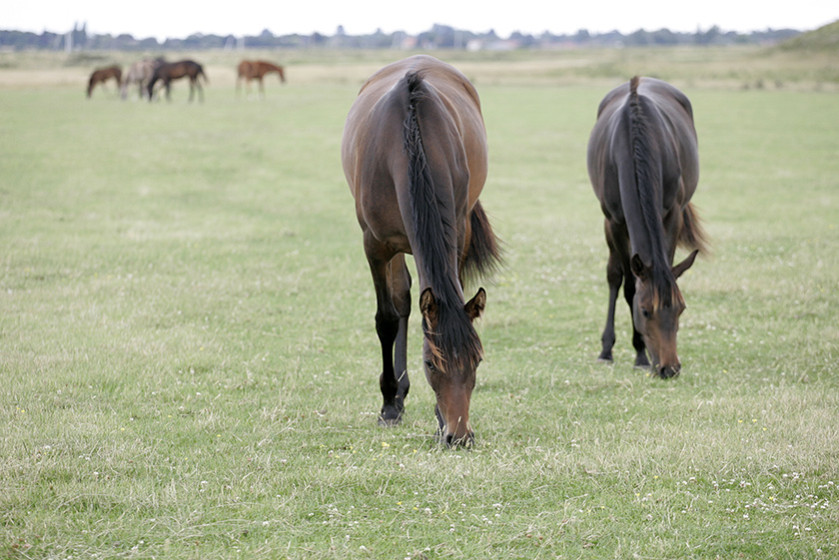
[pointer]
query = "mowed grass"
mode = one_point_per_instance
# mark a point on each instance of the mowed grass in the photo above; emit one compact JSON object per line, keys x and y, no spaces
{"x":189,"y":366}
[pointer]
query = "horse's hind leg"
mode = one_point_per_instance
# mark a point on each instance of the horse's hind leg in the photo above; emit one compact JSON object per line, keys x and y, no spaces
{"x":614,"y":277}
{"x":388,"y":326}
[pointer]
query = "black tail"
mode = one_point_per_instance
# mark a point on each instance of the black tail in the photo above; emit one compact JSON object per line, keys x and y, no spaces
{"x":434,"y":236}
{"x":647,"y":183}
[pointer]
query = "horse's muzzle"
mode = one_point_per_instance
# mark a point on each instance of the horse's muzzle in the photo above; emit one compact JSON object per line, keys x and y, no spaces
{"x":451,"y":440}
{"x":669,"y":372}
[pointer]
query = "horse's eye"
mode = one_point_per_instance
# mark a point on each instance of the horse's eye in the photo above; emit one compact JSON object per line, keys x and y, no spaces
{"x":645,"y":314}
{"x":429,"y":365}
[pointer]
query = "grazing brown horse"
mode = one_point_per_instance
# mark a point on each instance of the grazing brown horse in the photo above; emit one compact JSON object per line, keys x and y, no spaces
{"x":255,"y":70}
{"x":140,"y":72}
{"x":169,"y":71}
{"x":414,"y":153}
{"x":644,"y":166}
{"x":102,"y":75}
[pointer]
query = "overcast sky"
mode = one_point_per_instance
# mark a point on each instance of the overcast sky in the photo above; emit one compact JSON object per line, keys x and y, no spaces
{"x":181,"y":18}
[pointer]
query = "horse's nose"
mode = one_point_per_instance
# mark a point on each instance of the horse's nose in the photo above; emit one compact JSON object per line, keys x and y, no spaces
{"x":466,"y":441}
{"x":666,"y":372}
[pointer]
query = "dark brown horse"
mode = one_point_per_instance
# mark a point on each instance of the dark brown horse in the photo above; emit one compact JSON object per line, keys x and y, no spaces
{"x":169,"y":71}
{"x":644,"y":166}
{"x":102,"y":75}
{"x":255,"y":70}
{"x":415,"y":157}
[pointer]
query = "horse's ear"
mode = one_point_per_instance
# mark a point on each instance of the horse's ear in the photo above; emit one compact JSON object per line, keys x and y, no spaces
{"x":685,"y":264}
{"x":428,"y":307}
{"x":639,"y":269}
{"x":475,"y":306}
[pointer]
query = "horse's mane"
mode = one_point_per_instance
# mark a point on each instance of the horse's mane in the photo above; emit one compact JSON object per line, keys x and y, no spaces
{"x":648,"y":189}
{"x":435,"y":243}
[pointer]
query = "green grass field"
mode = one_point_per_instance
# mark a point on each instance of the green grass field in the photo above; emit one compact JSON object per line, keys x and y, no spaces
{"x":189,"y":365}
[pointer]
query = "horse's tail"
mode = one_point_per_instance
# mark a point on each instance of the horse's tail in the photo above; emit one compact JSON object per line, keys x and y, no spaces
{"x":483,"y":254}
{"x":693,"y":235}
{"x":201,"y":73}
{"x":644,"y":176}
{"x":433,"y":230}
{"x":647,"y":182}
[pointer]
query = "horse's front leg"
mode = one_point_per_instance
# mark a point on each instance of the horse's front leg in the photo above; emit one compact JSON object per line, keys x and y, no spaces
{"x":387,"y":328}
{"x":641,"y":360}
{"x":400,"y":285}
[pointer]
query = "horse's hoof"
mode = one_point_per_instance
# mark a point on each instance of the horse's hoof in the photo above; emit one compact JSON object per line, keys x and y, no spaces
{"x":642,"y":363}
{"x":602,"y":360}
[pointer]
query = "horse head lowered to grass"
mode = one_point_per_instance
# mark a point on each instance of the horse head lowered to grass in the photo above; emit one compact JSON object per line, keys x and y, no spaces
{"x":414,"y":152}
{"x":643,"y":163}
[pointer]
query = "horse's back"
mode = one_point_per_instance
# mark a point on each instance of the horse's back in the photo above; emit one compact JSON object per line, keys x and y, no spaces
{"x":374,"y":113}
{"x":669,"y":115}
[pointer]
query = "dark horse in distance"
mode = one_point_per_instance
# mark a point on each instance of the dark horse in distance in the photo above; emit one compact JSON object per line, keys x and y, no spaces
{"x":102,"y":75}
{"x":644,"y":166}
{"x":414,"y":153}
{"x":256,"y":70}
{"x":169,"y":71}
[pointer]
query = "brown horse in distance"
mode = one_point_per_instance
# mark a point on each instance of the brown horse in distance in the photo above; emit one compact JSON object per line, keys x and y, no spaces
{"x":643,"y":163}
{"x":414,"y":153}
{"x":102,"y":75}
{"x":256,"y":70}
{"x":169,"y":71}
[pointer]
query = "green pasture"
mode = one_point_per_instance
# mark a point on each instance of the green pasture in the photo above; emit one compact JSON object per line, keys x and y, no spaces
{"x":189,"y":366}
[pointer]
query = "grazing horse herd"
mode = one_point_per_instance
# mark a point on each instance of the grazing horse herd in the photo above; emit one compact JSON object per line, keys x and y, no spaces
{"x":148,"y":73}
{"x":414,"y":154}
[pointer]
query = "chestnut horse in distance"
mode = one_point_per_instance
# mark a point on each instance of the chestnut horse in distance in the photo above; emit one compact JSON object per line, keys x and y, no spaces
{"x":643,"y":163}
{"x":102,"y":75}
{"x":256,"y":70}
{"x":414,"y":153}
{"x":169,"y":71}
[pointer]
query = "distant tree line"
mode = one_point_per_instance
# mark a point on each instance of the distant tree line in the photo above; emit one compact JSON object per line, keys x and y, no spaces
{"x":438,"y":37}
